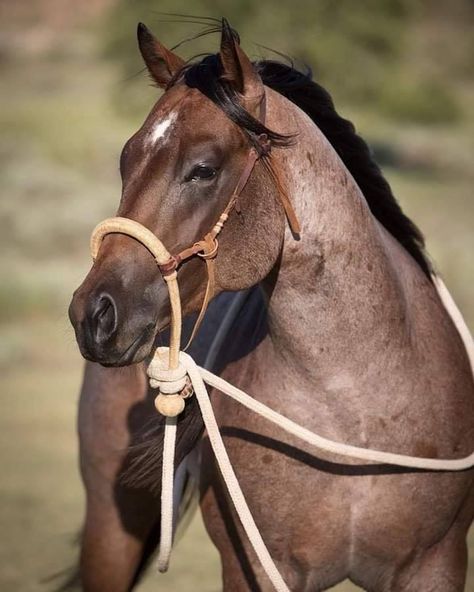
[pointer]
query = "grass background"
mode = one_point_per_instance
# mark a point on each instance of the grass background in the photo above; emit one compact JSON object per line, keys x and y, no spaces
{"x":72,"y":93}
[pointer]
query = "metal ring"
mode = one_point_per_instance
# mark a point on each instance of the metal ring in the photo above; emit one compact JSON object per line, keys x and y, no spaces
{"x":210,"y":254}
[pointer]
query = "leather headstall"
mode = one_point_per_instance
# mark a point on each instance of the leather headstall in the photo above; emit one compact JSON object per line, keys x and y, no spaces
{"x":207,"y":248}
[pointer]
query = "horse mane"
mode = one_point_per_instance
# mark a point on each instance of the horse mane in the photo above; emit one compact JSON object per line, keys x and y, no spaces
{"x":316,"y":102}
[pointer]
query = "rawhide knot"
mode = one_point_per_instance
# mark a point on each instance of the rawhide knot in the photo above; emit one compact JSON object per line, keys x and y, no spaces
{"x":173,"y":384}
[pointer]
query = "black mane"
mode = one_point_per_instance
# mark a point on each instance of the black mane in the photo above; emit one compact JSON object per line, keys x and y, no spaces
{"x":316,"y":102}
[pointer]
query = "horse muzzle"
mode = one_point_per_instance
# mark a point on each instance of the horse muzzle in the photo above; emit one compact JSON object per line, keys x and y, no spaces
{"x":117,"y":310}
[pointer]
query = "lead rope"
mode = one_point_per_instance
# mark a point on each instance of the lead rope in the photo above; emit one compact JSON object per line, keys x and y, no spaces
{"x":172,"y":382}
{"x":170,"y":370}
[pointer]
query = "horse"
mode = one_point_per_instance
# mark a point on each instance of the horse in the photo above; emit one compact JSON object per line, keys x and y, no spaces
{"x":339,"y":327}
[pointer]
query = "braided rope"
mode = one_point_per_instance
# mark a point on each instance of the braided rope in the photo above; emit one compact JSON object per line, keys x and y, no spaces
{"x":167,"y":479}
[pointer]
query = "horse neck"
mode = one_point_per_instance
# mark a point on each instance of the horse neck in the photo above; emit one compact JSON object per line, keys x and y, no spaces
{"x":336,"y":297}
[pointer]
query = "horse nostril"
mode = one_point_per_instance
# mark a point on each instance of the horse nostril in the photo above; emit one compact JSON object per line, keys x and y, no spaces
{"x":104,"y":318}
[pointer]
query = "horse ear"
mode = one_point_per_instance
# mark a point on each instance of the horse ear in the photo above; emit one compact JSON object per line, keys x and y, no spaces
{"x":162,"y":64}
{"x":239,"y":71}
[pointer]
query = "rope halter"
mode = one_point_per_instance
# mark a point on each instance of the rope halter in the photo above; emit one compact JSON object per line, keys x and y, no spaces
{"x":173,"y":391}
{"x":168,"y":375}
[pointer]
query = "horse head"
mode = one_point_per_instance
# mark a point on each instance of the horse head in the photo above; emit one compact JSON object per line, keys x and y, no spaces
{"x":178,"y":172}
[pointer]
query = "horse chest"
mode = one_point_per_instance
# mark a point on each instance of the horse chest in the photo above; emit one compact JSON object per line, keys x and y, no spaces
{"x":327,"y":518}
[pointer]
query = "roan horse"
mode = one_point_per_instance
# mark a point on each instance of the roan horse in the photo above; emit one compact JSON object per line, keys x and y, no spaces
{"x":345,"y":334}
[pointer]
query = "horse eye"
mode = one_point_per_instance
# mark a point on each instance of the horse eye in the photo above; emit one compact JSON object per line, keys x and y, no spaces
{"x":201,"y":172}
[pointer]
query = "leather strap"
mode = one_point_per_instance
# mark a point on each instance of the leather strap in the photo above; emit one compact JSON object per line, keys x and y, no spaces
{"x":284,"y":200}
{"x":207,"y":247}
{"x":210,"y":287}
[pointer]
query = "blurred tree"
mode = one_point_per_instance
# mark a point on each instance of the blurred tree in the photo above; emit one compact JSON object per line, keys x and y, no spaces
{"x":392,"y":54}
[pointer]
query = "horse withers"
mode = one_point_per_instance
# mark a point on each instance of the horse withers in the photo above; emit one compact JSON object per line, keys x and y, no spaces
{"x":345,"y":334}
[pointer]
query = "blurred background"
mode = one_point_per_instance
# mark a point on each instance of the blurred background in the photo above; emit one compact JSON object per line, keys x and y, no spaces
{"x":73,"y":90}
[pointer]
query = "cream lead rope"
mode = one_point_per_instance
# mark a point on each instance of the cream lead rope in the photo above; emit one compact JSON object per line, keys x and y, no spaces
{"x":169,"y":371}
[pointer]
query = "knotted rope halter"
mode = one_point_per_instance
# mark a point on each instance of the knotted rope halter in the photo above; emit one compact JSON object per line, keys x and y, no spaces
{"x":177,"y":376}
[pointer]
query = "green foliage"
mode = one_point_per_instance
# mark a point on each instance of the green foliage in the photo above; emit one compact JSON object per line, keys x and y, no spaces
{"x":420,"y":101}
{"x":359,"y":51}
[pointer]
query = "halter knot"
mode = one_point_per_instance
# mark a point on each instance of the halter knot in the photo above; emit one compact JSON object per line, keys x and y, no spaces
{"x":173,"y":384}
{"x":170,"y":381}
{"x":169,"y":267}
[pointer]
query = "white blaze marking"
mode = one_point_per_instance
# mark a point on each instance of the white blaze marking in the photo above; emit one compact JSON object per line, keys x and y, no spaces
{"x":160,"y":128}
